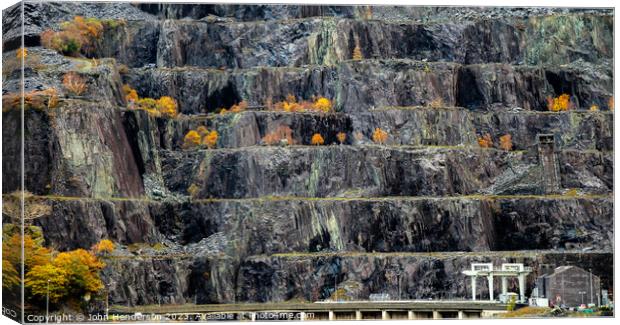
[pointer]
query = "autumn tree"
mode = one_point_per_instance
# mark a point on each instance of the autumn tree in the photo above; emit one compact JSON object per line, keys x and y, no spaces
{"x":38,"y":279}
{"x":342,"y":137}
{"x":22,"y":53}
{"x":210,"y":140}
{"x":317,"y":140}
{"x":103,"y":247}
{"x":34,"y":252}
{"x":357,"y":52}
{"x":81,"y":271}
{"x":323,"y":104}
{"x":485,"y":141}
{"x":191,"y":140}
{"x":281,"y":135}
{"x":379,"y":136}
{"x":167,"y":106}
{"x":561,"y":103}
{"x":610,"y":103}
{"x":74,"y":83}
{"x":505,"y":142}
{"x":131,"y":95}
{"x":75,"y":36}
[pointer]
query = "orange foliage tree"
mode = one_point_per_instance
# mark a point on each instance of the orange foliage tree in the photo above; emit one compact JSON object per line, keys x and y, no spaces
{"x":282,"y":132}
{"x":485,"y":141}
{"x":317,"y":140}
{"x":74,"y":83}
{"x":210,"y":140}
{"x":36,"y":99}
{"x":505,"y":142}
{"x":75,"y":36}
{"x":379,"y":136}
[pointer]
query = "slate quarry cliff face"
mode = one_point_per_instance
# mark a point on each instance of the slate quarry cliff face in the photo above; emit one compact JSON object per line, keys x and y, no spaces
{"x":246,"y":222}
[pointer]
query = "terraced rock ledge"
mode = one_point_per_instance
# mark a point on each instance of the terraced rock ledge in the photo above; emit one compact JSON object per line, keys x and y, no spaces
{"x":247,"y":221}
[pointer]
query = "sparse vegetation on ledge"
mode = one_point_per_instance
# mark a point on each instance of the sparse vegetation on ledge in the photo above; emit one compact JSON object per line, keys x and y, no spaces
{"x":165,"y":106}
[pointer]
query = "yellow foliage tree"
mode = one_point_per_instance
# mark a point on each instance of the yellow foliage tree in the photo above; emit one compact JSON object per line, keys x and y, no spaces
{"x":379,"y":136}
{"x":561,"y":103}
{"x":167,"y":106}
{"x":22,"y":53}
{"x":317,"y":140}
{"x":48,"y":276}
{"x":594,"y":108}
{"x":210,"y":140}
{"x":342,"y":137}
{"x":191,"y":139}
{"x":149,"y":105}
{"x":104,"y":246}
{"x":357,"y":53}
{"x":323,"y":104}
{"x":81,"y":269}
{"x":505,"y":142}
{"x":10,"y":276}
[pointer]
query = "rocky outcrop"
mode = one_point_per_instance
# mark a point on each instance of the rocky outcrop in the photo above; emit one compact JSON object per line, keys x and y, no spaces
{"x":407,"y":224}
{"x":282,"y":278}
{"x":361,"y":86}
{"x":247,"y":222}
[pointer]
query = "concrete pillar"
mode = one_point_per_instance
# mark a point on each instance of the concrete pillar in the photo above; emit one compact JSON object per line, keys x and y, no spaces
{"x":410,"y":315}
{"x":331,"y":315}
{"x":436,"y":315}
{"x":490,"y":277}
{"x":504,"y":285}
{"x":302,"y":316}
{"x":358,"y":315}
{"x":521,"y":287}
{"x":473,"y":288}
{"x":384,"y":315}
{"x":461,"y":314}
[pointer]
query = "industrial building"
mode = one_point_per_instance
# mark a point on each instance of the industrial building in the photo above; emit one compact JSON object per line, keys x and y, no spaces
{"x":569,"y":286}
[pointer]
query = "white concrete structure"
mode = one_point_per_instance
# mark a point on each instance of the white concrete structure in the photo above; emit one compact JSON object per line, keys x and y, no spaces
{"x":516,"y":270}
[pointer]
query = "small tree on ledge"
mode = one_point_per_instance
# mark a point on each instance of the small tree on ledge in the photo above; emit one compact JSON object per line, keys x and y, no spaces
{"x":317,"y":140}
{"x":379,"y":136}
